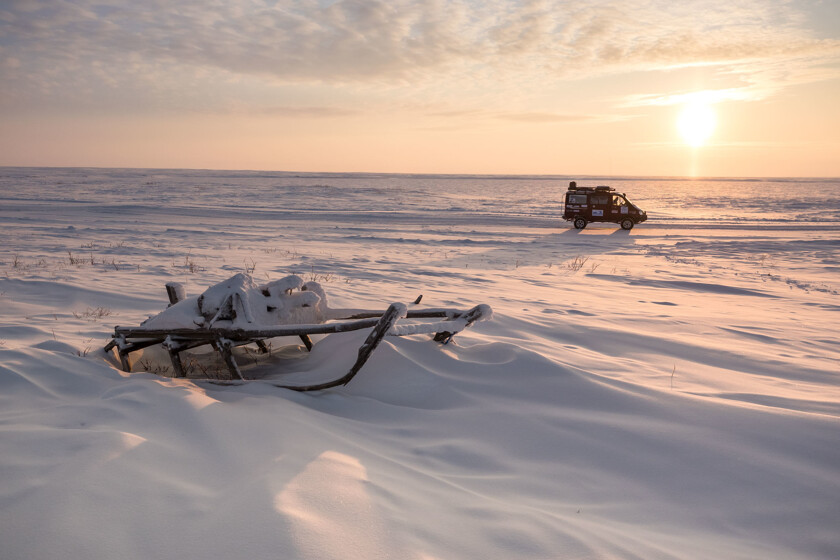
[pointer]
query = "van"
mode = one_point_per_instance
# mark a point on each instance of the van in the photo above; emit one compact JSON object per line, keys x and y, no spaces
{"x":600,"y":204}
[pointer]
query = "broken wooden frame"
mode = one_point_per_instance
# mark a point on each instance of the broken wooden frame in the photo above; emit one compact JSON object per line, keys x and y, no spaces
{"x":130,"y":339}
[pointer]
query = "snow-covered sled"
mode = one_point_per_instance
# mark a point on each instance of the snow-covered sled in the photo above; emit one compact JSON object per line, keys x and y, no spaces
{"x":238,"y":311}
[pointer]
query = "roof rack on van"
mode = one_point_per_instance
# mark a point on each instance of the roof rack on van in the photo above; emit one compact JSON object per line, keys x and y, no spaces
{"x":601,"y":188}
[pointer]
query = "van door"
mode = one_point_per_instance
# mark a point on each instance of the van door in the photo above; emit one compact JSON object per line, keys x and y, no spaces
{"x":577,"y":204}
{"x":619,"y":208}
{"x":599,"y":207}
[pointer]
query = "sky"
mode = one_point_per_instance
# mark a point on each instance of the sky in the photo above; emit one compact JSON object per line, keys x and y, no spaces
{"x":604,"y":87}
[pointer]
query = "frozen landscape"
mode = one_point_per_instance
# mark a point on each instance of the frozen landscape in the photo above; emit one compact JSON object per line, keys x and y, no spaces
{"x":672,"y":391}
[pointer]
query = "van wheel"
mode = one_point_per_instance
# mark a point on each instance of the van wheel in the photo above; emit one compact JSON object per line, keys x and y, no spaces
{"x":580,"y":223}
{"x":626,"y":223}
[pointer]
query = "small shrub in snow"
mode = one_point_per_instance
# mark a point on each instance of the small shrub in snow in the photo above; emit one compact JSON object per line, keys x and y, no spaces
{"x":92,"y":313}
{"x":75,"y":261}
{"x":577,"y":263}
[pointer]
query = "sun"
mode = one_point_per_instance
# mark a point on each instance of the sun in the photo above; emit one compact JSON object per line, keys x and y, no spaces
{"x":696,"y":123}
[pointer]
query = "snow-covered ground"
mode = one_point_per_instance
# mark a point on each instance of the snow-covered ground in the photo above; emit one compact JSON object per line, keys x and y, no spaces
{"x":668,"y":392}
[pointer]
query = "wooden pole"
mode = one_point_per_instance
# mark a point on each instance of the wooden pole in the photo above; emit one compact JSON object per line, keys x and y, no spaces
{"x":224,"y":346}
{"x":175,"y":291}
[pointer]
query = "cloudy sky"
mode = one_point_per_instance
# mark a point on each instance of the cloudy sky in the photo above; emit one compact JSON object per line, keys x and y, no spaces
{"x":621,"y":87}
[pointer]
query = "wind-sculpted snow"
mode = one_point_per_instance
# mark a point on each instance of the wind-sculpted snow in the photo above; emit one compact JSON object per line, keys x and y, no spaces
{"x":667,"y":392}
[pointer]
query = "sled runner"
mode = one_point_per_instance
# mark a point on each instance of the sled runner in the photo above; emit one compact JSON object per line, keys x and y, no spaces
{"x":237,"y":312}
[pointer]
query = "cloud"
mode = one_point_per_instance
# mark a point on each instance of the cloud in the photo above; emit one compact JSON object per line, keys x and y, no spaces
{"x":545,"y":117}
{"x":706,"y":97}
{"x":533,"y":117}
{"x":309,"y":112}
{"x":158,"y":52}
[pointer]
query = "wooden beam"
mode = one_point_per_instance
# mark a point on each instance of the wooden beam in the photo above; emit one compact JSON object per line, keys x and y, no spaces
{"x":174,"y":350}
{"x":306,"y":341}
{"x":223,"y":346}
{"x":175,"y":292}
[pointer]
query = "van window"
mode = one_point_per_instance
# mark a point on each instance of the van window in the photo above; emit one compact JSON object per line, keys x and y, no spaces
{"x":577,"y":199}
{"x":619,"y":201}
{"x":604,"y":199}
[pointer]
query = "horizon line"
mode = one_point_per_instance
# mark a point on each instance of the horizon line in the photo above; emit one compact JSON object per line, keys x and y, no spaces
{"x":548,"y":176}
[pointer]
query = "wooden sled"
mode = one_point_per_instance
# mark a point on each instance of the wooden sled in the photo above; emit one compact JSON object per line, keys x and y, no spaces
{"x":224,"y":338}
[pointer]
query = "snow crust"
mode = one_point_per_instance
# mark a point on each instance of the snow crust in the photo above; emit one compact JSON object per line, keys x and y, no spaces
{"x":667,"y":392}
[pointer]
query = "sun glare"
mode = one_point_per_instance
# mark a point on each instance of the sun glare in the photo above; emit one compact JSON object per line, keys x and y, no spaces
{"x":696,"y":123}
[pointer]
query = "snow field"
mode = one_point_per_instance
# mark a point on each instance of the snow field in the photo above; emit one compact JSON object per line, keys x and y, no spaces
{"x":668,"y":392}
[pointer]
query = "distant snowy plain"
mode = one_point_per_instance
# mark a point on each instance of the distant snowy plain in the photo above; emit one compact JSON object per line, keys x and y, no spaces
{"x":668,"y":392}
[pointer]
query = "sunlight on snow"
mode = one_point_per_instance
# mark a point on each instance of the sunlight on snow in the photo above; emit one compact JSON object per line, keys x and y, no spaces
{"x":129,"y":442}
{"x":327,"y":504}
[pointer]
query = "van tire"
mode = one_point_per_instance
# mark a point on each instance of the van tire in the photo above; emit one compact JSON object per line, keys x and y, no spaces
{"x":580,"y":223}
{"x":626,"y":223}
